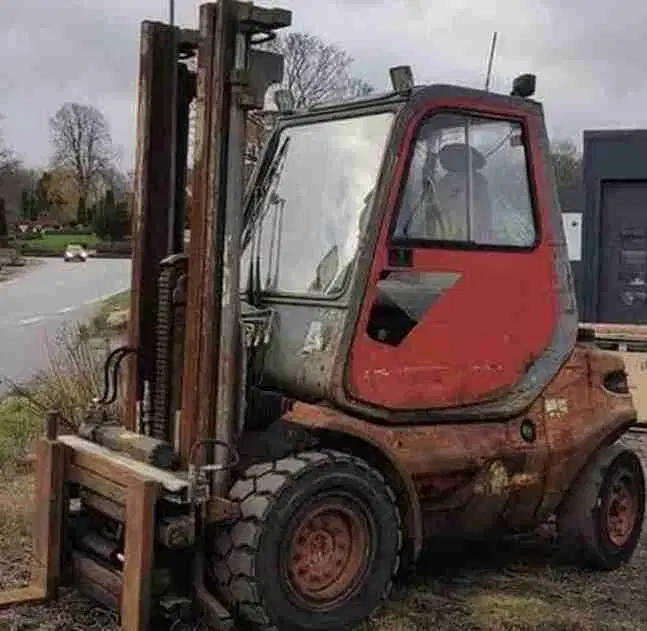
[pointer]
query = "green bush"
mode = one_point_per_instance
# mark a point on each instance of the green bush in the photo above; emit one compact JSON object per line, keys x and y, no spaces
{"x":29,"y":236}
{"x":71,"y":232}
{"x":114,"y":247}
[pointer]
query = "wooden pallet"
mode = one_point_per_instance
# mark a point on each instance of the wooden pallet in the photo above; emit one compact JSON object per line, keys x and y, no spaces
{"x":133,"y":486}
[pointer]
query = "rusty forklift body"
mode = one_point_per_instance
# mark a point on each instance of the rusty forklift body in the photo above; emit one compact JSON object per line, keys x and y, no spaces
{"x":325,"y":379}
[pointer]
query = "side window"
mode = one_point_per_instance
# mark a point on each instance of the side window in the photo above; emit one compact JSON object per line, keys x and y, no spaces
{"x":467,"y":183}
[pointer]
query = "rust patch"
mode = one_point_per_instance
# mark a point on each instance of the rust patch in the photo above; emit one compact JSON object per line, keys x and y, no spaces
{"x":151,"y":193}
{"x":590,"y":416}
{"x":198,"y":391}
{"x":328,"y":553}
{"x":434,"y":449}
{"x":442,"y":464}
{"x":496,"y":468}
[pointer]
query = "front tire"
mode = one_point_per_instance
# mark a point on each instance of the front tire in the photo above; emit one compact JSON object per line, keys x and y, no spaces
{"x":601,"y":520}
{"x":317,"y":546}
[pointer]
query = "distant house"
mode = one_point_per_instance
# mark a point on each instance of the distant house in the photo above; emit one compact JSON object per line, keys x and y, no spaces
{"x":54,"y":219}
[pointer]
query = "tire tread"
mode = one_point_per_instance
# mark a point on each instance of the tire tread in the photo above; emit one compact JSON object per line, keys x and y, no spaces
{"x":256,"y":490}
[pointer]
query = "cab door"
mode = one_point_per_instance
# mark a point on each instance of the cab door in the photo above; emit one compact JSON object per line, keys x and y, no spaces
{"x":460,"y":299}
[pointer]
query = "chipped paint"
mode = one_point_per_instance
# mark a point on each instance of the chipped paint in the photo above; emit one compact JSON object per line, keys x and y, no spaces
{"x":314,"y":340}
{"x":524,"y":480}
{"x":556,"y":407}
{"x":495,"y":480}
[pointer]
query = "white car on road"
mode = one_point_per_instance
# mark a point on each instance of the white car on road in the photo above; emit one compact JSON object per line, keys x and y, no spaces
{"x":75,"y":253}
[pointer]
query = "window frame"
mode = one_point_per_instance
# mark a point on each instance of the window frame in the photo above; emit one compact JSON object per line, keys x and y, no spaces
{"x":388,"y":106}
{"x":427,"y":244}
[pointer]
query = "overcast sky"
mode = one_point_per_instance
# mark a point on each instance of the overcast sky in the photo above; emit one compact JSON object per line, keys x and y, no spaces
{"x":589,"y":57}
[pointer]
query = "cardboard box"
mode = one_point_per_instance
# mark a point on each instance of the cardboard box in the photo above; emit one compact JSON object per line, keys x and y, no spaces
{"x":636,"y":365}
{"x":630,"y":341}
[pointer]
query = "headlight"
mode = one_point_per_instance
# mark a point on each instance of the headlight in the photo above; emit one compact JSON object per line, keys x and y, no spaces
{"x":616,"y":382}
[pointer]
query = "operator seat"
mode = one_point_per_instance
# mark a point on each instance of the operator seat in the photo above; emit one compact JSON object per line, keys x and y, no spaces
{"x":444,"y":213}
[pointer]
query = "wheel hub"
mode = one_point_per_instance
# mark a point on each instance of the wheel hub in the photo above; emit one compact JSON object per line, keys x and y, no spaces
{"x":621,"y":513}
{"x":327,"y":553}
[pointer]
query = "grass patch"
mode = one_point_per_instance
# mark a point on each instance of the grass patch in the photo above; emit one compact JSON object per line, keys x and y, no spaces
{"x":500,"y":611}
{"x":56,"y":243}
{"x":20,"y":424}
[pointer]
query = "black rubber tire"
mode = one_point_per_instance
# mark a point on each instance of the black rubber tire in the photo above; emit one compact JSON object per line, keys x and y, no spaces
{"x":250,"y":564}
{"x":582,"y":527}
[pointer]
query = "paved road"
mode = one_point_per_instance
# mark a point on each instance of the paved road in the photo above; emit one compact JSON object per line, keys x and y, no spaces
{"x":35,"y":305}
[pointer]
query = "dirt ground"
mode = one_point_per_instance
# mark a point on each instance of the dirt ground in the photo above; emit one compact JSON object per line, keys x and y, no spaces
{"x":512,"y":586}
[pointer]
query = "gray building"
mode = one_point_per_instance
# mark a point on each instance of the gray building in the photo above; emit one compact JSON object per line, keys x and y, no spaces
{"x":611,"y":273}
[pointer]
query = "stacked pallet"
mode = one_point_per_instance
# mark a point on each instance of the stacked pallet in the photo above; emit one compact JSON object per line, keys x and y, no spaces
{"x":630,"y":340}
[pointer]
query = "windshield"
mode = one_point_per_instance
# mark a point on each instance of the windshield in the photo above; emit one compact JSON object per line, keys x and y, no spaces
{"x":308,"y":209}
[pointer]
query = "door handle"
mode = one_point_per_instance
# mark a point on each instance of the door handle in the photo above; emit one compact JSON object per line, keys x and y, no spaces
{"x":400,"y":257}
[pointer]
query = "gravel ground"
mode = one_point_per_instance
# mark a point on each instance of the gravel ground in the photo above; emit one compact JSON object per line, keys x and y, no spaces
{"x":508,"y":586}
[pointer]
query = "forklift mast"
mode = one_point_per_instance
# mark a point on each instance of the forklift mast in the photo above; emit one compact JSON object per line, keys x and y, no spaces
{"x":231,"y":79}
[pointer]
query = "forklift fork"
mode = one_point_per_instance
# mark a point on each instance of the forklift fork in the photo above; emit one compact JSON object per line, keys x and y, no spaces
{"x":128,"y":486}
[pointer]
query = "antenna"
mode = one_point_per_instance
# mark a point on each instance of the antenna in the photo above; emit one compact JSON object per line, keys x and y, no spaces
{"x":488,"y":76}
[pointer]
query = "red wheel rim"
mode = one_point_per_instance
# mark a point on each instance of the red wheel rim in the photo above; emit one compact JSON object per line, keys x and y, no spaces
{"x":328,"y":553}
{"x":621,"y":511}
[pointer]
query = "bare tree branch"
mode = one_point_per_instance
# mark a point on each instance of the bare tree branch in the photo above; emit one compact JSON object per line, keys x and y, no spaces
{"x":567,"y":163}
{"x":82,"y":144}
{"x":316,"y":71}
{"x":9,"y":162}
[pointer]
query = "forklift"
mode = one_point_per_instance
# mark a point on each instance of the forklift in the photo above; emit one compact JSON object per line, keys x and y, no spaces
{"x":373,"y":344}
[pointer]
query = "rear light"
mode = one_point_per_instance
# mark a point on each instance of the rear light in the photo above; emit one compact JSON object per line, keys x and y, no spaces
{"x":616,"y":382}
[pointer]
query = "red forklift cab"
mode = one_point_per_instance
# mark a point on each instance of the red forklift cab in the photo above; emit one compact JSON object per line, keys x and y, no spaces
{"x":454,"y":324}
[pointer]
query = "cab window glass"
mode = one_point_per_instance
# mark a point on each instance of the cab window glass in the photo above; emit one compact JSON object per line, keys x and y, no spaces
{"x":467,"y":183}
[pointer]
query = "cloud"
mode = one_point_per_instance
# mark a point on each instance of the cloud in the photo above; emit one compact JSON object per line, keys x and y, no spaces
{"x":587,"y":59}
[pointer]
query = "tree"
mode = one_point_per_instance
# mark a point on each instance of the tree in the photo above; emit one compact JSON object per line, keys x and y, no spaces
{"x":111,"y":219}
{"x":9,"y":162}
{"x":82,"y":145}
{"x":12,"y":185}
{"x":59,"y":189}
{"x":316,"y":71}
{"x":34,"y":198}
{"x":567,"y":163}
{"x":12,"y":178}
{"x":4,"y":226}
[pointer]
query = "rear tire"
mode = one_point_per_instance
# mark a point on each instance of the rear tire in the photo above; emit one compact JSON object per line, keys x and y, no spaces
{"x":601,"y":520}
{"x":316,"y":548}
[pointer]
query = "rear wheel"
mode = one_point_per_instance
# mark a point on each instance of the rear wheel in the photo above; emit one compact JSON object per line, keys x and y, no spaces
{"x":317,"y":546}
{"x":602,"y":517}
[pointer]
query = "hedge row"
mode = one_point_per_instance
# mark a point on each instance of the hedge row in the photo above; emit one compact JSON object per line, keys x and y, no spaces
{"x":35,"y":236}
{"x":118,"y":249}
